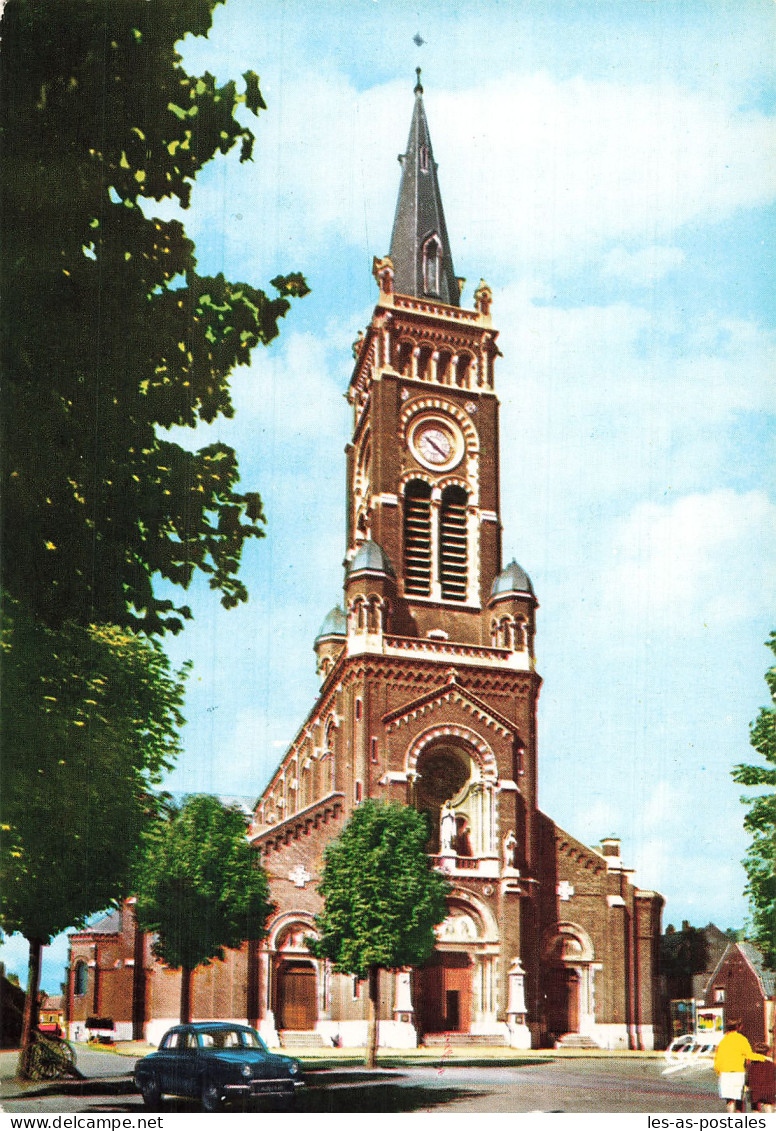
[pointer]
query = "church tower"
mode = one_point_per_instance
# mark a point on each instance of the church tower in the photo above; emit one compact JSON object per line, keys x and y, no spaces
{"x":428,"y":687}
{"x":428,"y":698}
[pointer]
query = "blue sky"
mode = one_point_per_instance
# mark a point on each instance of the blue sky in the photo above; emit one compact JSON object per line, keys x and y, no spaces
{"x":608,"y":168}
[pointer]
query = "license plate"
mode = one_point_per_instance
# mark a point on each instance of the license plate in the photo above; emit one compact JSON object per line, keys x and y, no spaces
{"x":262,"y":1086}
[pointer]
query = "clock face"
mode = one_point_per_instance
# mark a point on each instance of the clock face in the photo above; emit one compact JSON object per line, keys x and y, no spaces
{"x":437,"y":443}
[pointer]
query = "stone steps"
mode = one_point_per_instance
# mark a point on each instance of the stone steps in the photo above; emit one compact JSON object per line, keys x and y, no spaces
{"x":576,"y":1041}
{"x":459,"y":1040}
{"x":301,"y":1039}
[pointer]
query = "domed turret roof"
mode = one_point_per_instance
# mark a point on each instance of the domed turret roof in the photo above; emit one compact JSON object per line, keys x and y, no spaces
{"x":371,"y":557}
{"x":335,"y":624}
{"x":513,"y":579}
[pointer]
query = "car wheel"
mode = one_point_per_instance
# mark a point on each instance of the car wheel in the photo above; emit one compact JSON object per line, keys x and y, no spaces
{"x":212,"y":1097}
{"x":151,"y":1091}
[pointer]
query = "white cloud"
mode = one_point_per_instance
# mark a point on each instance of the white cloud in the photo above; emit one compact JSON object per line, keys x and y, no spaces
{"x":559,"y":169}
{"x":699,"y":560}
{"x":601,"y":404}
{"x":533,"y":170}
{"x":644,"y":267}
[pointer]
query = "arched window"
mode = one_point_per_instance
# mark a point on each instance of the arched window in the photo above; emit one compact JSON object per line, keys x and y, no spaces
{"x":521,"y":634}
{"x":417,"y":538}
{"x":424,"y":362}
{"x":432,"y":265}
{"x":404,"y":358}
{"x":80,"y":979}
{"x":453,"y":548}
{"x":463,"y":368}
{"x":443,"y":367}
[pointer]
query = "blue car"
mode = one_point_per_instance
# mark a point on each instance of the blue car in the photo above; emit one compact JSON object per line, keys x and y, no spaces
{"x":216,"y":1062}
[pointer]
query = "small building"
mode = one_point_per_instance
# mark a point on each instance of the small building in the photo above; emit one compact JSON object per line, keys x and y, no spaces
{"x":118,"y":989}
{"x":689,"y":957}
{"x":51,"y":1017}
{"x":743,"y":988}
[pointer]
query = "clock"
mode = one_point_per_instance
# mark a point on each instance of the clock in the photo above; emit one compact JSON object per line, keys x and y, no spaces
{"x":436,"y":443}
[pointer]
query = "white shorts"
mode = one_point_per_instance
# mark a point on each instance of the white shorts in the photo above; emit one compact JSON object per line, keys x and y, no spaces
{"x":731,"y":1085}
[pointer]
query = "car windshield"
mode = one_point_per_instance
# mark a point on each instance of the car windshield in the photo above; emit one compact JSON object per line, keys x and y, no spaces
{"x":229,"y":1039}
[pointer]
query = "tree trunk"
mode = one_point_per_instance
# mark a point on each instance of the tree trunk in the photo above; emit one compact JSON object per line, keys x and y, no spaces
{"x":187,"y":975}
{"x":371,"y":1042}
{"x":31,"y":1010}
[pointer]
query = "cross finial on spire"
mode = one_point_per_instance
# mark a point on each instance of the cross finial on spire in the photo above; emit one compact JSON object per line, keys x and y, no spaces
{"x":418,"y":86}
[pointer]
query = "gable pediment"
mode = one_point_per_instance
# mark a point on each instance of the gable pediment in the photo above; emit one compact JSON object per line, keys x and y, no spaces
{"x":441,"y":698}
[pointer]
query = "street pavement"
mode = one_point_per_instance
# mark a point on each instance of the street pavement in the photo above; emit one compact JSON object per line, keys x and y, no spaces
{"x":484,"y":1084}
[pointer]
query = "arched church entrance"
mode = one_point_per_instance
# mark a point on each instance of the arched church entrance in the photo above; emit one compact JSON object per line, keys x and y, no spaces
{"x":568,"y":980}
{"x":296,"y":980}
{"x":455,"y":987}
{"x":443,"y":993}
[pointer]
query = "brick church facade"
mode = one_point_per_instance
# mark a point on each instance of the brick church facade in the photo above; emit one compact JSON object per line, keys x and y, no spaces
{"x":429,"y":697}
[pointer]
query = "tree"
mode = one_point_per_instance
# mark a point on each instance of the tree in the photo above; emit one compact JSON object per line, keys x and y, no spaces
{"x":109,"y":336}
{"x":682,"y":954}
{"x":200,"y":887}
{"x":760,"y":822}
{"x":90,"y":720}
{"x":382,"y":899}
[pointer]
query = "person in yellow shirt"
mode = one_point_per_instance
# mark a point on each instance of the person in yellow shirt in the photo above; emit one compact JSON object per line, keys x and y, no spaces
{"x":733,"y":1051}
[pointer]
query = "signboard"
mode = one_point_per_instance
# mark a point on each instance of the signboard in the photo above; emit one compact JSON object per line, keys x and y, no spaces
{"x":709,"y":1020}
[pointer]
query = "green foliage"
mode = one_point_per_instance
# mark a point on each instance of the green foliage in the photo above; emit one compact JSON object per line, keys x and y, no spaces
{"x":382,"y":898}
{"x":90,"y":720}
{"x":200,"y":886}
{"x":760,"y":822}
{"x":108,"y":333}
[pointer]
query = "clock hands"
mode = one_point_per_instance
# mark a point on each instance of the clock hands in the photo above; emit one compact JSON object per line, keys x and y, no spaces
{"x":444,"y":454}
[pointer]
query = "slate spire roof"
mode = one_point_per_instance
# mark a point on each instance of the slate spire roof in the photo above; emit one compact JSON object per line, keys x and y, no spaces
{"x":420,"y":249}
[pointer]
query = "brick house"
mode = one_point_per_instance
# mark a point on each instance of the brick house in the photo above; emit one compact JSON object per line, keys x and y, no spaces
{"x":744,"y":988}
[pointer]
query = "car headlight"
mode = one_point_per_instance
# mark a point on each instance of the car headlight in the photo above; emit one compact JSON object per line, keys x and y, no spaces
{"x":246,"y":1071}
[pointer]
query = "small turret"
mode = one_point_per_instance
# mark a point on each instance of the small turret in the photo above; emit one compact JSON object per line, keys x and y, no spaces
{"x":330,"y":641}
{"x":370,"y":592}
{"x":512,"y":605}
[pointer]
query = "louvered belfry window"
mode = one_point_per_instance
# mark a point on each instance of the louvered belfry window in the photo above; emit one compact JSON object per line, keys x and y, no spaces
{"x":453,"y":551}
{"x":417,"y":539}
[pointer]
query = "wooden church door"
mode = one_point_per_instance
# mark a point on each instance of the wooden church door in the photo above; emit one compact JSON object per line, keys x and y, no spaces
{"x":296,"y":999}
{"x":562,"y":1000}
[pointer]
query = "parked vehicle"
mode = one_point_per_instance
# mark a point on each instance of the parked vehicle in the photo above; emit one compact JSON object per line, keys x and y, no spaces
{"x":215,"y":1062}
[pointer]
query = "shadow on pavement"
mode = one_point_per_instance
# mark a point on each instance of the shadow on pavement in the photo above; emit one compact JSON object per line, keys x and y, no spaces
{"x":371,"y":1092}
{"x":104,"y":1086}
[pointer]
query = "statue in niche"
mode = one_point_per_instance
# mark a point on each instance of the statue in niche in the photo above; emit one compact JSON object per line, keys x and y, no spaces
{"x":510,"y":850}
{"x":447,"y":828}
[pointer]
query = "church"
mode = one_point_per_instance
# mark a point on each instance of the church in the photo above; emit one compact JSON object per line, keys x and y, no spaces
{"x":428,"y":698}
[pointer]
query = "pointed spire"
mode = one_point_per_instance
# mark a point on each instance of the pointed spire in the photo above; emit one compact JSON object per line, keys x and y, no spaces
{"x":420,"y":250}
